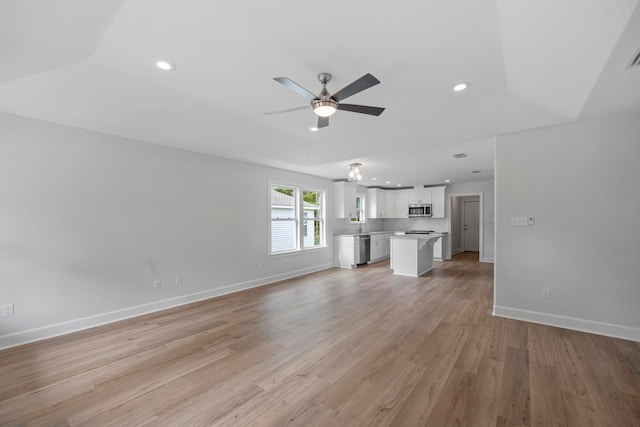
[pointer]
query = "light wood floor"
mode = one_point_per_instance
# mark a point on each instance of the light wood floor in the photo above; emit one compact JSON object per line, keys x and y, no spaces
{"x":336,"y":348}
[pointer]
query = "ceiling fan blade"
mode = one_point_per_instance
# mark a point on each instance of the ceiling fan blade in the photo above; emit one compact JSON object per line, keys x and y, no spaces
{"x":323,"y":122}
{"x":295,"y":87}
{"x":269,"y":113}
{"x":364,"y":82}
{"x":364,"y":109}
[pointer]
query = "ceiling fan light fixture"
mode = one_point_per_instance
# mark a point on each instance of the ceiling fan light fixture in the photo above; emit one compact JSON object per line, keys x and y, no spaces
{"x":324,"y":108}
{"x":355,"y":173}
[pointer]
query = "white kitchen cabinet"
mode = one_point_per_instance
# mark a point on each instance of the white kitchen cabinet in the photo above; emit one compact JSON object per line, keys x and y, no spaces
{"x":437,"y":202}
{"x":379,"y":246}
{"x":344,"y":199}
{"x":413,"y":197}
{"x":346,"y":248}
{"x":387,"y":245}
{"x":376,"y":206}
{"x":402,"y":204}
{"x":419,"y":196}
{"x":390,"y":204}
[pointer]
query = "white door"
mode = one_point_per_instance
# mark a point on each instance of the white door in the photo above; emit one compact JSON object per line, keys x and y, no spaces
{"x":471,"y":218}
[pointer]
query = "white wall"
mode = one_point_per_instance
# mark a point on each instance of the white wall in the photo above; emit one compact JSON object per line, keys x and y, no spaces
{"x":581,"y":182}
{"x":88,"y":221}
{"x":486,"y":188}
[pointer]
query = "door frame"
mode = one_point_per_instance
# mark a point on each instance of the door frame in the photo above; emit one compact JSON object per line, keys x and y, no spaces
{"x":480,"y":194}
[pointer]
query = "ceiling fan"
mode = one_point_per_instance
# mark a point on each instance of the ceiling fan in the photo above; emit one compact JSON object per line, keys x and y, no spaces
{"x":325,"y":104}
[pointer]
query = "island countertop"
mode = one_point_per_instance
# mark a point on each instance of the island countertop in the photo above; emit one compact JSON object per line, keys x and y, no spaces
{"x":417,"y":236}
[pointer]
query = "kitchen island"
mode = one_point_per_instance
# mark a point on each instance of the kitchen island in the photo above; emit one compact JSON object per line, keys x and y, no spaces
{"x":412,"y":254}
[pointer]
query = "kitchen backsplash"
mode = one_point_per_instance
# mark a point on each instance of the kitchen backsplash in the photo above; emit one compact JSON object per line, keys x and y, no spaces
{"x":344,"y":226}
{"x":399,"y":224}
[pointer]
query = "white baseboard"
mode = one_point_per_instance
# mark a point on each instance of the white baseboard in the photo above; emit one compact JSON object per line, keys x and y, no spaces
{"x":583,"y":325}
{"x":487,"y":259}
{"x":62,"y":328}
{"x":456,"y":251}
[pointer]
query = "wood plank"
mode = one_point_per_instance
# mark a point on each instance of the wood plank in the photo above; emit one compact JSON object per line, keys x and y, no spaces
{"x":515,"y":397}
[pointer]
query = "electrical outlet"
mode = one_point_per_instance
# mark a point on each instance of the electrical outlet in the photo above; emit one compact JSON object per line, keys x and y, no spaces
{"x":7,"y":310}
{"x":178,"y":280}
{"x":518,"y":221}
{"x":546,"y":293}
{"x":157,"y":284}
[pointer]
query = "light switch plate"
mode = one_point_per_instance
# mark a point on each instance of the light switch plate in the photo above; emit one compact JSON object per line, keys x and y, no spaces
{"x":531,"y":220}
{"x":518,"y":221}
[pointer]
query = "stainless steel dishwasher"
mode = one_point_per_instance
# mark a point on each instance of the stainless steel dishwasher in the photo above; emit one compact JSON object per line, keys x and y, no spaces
{"x":364,"y":249}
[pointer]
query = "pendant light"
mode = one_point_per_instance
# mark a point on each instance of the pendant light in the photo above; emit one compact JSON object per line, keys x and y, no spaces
{"x":355,"y":172}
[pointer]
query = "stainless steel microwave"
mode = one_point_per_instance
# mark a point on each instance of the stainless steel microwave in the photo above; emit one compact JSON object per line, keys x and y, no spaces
{"x":419,"y":210}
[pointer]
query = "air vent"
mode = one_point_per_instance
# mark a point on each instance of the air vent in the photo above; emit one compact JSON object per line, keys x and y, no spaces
{"x":459,"y":156}
{"x":476,"y":171}
{"x":635,"y":60}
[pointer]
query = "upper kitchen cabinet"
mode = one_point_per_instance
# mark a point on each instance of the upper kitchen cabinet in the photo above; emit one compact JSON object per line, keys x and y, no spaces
{"x":376,"y":203}
{"x":437,"y":202}
{"x":390,"y":204}
{"x":344,"y":199}
{"x":419,"y":196}
{"x":402,"y":204}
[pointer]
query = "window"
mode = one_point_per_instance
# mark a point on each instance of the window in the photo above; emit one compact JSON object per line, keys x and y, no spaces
{"x":313,"y":223}
{"x":284,"y":219}
{"x":297,"y":223}
{"x":360,"y":214}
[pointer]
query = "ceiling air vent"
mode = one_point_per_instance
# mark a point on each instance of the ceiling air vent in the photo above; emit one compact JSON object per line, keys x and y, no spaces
{"x":635,"y":60}
{"x":459,"y":156}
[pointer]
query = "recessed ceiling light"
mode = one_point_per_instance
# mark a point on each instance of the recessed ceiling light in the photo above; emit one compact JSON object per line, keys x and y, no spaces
{"x":387,"y":182}
{"x":374,"y":179}
{"x":166,"y":66}
{"x":461,"y":86}
{"x":399,"y":185}
{"x":447,"y":180}
{"x":313,"y":129}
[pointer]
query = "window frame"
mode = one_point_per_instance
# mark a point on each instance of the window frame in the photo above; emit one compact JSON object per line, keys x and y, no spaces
{"x":299,"y":190}
{"x":321,"y":217}
{"x":361,"y":213}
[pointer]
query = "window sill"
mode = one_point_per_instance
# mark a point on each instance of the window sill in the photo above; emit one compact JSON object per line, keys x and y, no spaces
{"x":296,"y":252}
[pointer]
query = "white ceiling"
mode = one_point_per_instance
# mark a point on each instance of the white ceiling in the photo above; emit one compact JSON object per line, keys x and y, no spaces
{"x":531,"y":63}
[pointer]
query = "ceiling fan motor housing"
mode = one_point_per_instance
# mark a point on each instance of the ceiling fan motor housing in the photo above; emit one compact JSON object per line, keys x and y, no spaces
{"x":324,"y":78}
